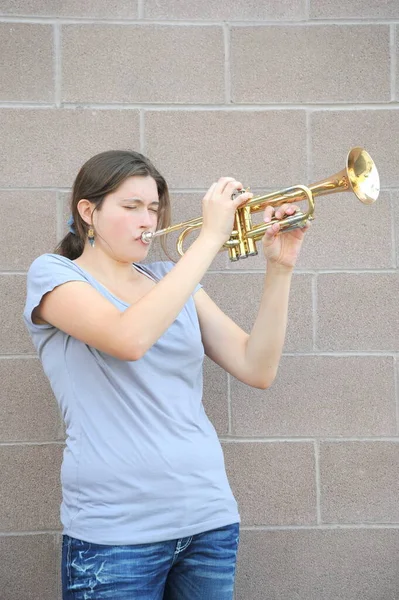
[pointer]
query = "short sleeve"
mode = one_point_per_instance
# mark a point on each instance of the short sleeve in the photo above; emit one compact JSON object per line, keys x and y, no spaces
{"x":161,"y":268}
{"x":46,"y":273}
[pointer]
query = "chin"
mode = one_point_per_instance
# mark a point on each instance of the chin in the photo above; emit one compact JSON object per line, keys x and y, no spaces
{"x":139,"y":254}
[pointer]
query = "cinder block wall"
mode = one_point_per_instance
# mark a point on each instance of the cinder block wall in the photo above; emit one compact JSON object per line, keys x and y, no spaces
{"x":274,"y":93}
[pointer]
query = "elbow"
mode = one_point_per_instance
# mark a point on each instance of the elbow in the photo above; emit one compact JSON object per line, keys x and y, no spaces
{"x":134,"y":353}
{"x":127,"y":343}
{"x":263,"y":381}
{"x":125,"y":355}
{"x":132,"y":356}
{"x":129,"y":351}
{"x":262,"y":384}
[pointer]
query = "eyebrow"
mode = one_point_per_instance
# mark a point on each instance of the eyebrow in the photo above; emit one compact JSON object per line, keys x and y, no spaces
{"x":139,"y":200}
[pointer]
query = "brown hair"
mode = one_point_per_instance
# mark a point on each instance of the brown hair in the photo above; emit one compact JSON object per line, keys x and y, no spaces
{"x":101,"y":175}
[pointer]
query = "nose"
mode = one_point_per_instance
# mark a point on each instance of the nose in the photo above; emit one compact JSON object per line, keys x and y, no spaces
{"x":145,"y":220}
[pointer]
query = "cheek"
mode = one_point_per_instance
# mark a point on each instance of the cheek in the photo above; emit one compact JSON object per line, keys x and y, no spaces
{"x":122,"y":224}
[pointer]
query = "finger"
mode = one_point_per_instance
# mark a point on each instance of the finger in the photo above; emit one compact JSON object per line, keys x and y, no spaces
{"x":240,"y":199}
{"x":246,"y":194}
{"x":286,"y":209}
{"x":232,"y":187}
{"x":222,"y":183}
{"x":209,"y":193}
{"x":268,"y":214}
{"x":272,"y":231}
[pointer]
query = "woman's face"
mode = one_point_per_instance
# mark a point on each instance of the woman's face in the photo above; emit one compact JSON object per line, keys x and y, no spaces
{"x":125,"y":215}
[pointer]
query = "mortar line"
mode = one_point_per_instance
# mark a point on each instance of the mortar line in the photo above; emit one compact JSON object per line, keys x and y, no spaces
{"x":396,"y":391}
{"x":29,"y":105}
{"x":315,"y":316}
{"x":309,"y":170}
{"x":227,"y":74}
{"x":208,"y":107}
{"x":394,"y":217}
{"x":343,"y":354}
{"x":393,"y":60}
{"x":309,"y":439}
{"x":38,"y":532}
{"x":250,"y":108}
{"x":19,"y":356}
{"x":317,"y":481}
{"x":324,"y":526}
{"x":142,"y":131}
{"x":57,"y":64}
{"x":37,"y":443}
{"x":307,"y":11}
{"x":333,"y":22}
{"x":344,"y":271}
{"x":34,"y":189}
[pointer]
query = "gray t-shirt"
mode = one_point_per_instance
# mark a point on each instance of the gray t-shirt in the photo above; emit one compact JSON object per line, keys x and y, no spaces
{"x":142,"y":461}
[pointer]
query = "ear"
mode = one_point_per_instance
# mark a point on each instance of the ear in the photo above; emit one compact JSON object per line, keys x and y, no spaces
{"x":85,"y":208}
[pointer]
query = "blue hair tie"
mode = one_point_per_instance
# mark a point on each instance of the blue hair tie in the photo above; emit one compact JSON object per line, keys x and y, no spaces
{"x":71,"y":223}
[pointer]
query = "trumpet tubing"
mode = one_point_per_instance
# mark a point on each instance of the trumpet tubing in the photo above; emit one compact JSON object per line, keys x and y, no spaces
{"x":359,"y":176}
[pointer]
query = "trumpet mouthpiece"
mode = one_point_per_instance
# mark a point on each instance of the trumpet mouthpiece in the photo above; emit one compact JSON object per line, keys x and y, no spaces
{"x":147,"y":236}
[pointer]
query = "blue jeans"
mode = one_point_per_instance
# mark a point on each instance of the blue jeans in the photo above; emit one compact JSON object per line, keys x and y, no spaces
{"x":194,"y":568}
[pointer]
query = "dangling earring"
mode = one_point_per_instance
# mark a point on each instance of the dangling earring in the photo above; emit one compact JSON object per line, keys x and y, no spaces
{"x":90,"y":235}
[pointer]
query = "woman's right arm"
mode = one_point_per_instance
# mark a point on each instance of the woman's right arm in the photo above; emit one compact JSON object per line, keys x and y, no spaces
{"x":82,"y":312}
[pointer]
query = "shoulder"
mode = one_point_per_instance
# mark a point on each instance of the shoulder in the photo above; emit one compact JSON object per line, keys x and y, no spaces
{"x":49,"y":268}
{"x":52,"y":262}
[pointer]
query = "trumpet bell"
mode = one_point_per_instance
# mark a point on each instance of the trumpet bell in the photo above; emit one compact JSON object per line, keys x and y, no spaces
{"x":363,"y":175}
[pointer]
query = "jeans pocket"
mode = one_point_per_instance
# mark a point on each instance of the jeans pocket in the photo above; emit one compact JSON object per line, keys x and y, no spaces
{"x":82,"y":565}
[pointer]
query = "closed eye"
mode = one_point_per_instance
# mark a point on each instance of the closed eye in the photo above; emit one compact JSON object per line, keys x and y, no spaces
{"x":153,"y":210}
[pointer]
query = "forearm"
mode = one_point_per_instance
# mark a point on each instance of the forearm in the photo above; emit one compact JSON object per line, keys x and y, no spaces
{"x":145,"y":321}
{"x":266,"y":341}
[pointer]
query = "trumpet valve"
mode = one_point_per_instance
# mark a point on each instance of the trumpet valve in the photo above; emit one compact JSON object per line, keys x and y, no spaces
{"x":297,"y":221}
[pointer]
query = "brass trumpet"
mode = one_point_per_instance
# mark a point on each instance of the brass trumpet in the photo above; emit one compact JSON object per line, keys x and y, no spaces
{"x":359,"y":176}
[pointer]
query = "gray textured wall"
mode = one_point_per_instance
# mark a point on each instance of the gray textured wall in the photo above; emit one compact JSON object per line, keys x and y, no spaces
{"x":274,"y":93}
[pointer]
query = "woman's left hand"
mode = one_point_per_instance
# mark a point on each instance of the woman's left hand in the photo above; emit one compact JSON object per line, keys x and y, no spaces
{"x":282,"y":249}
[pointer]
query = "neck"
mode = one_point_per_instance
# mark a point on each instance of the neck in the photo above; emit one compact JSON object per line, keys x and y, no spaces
{"x":105,"y":267}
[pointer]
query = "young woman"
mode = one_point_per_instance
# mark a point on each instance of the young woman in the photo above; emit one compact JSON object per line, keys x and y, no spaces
{"x":147,"y":510}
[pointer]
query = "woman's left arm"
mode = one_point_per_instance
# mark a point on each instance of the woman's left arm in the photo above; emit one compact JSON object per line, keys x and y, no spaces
{"x":254,"y":358}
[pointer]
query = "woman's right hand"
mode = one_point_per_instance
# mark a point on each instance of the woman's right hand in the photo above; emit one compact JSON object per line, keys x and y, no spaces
{"x":218,"y":208}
